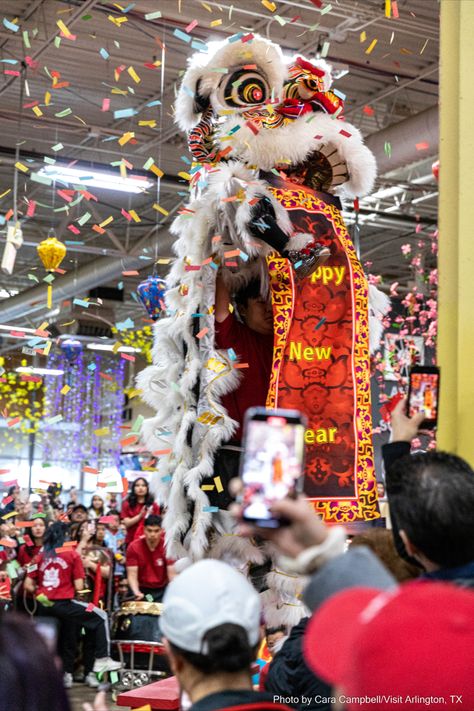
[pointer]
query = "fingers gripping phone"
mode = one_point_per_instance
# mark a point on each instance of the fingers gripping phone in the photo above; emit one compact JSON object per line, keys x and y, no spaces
{"x":272,"y":463}
{"x":423,"y":394}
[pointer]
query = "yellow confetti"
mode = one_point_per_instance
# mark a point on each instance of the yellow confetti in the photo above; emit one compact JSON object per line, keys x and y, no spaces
{"x":65,"y":389}
{"x":102,"y":431}
{"x":37,"y":111}
{"x":158,"y":208}
{"x":126,"y":137}
{"x":206,"y":6}
{"x":269,"y":5}
{"x":117,"y":345}
{"x":134,"y":75}
{"x":5,"y":193}
{"x":363,"y":36}
{"x":134,"y":216}
{"x":47,"y":347}
{"x":184,"y":175}
{"x":133,"y":393}
{"x":47,"y":97}
{"x":216,"y":23}
{"x":388,"y":8}
{"x":22,"y":167}
{"x":371,"y":46}
{"x":107,"y":221}
{"x":164,"y":260}
{"x":63,"y":28}
{"x":208,"y":487}
{"x":122,"y":92}
{"x":218,"y":483}
{"x":151,"y":123}
{"x":157,"y":171}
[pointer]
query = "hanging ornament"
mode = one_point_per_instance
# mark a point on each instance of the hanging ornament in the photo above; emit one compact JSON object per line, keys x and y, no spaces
{"x":51,"y":252}
{"x":151,"y":293}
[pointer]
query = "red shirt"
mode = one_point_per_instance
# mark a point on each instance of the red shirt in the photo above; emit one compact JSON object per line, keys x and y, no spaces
{"x":152,"y":565}
{"x":55,"y":576}
{"x":256,"y":350}
{"x":26,"y":554}
{"x":130,"y":511}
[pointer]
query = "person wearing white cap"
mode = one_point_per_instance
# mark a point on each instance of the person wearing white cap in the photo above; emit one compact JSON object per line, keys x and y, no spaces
{"x":211,"y":629}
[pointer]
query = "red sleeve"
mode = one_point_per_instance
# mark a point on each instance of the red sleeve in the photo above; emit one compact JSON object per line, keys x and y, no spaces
{"x":156,"y":509}
{"x":77,"y":567}
{"x":125,"y":513}
{"x":228,"y":332}
{"x":22,"y":556}
{"x":132,"y":555}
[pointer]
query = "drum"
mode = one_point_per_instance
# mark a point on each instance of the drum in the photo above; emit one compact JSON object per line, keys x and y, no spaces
{"x":137,"y":637}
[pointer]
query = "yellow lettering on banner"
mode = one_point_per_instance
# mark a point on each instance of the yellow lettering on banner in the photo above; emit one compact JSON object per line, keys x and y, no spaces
{"x":310,"y":353}
{"x":324,"y":435}
{"x":328,"y":274}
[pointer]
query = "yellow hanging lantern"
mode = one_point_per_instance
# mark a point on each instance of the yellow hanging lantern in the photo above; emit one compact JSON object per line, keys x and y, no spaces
{"x":51,"y":252}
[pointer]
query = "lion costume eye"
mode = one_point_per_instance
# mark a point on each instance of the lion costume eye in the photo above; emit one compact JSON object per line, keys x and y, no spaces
{"x":243,"y":88}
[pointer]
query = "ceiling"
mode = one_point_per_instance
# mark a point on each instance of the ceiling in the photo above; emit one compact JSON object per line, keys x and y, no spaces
{"x":110,"y":60}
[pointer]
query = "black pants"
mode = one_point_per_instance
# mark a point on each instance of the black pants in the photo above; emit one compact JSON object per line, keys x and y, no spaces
{"x":226,"y":466}
{"x":72,"y":614}
{"x":155,"y":593}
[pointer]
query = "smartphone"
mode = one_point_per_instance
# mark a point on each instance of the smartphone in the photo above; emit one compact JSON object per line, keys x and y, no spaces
{"x":423,"y":394}
{"x":272,"y":463}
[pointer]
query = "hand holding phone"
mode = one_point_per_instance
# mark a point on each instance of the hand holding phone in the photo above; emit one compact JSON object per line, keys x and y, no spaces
{"x":423,"y":394}
{"x":272,"y":462}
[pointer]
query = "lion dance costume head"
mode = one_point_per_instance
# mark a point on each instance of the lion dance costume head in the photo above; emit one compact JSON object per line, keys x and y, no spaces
{"x":273,"y":157}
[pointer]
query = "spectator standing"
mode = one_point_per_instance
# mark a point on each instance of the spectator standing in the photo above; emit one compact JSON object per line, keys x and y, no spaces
{"x":137,"y":506}
{"x":148,"y":569}
{"x":56,"y":575}
{"x":115,"y":541}
{"x":78,"y":514}
{"x":211,"y":628}
{"x":96,"y":509}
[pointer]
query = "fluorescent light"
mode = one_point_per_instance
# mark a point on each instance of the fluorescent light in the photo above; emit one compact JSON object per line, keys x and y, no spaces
{"x":18,"y":328}
{"x":97,"y":178}
{"x":38,"y":371}
{"x":108,"y":347}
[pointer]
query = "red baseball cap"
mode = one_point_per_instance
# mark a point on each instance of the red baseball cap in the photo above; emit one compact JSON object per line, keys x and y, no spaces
{"x":408,"y":648}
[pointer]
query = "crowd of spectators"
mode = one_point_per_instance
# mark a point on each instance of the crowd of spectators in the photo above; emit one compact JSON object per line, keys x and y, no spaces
{"x":390,"y":615}
{"x":77,"y":565}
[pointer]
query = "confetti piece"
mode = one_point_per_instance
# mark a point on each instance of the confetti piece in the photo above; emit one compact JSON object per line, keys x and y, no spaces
{"x":423,"y":146}
{"x":182,"y":35}
{"x":241,"y":365}
{"x":202,"y":332}
{"x":10,"y":25}
{"x":210,"y":509}
{"x":218,"y":483}
{"x":134,"y":75}
{"x":105,"y":104}
{"x":103,"y":53}
{"x":344,"y":133}
{"x":64,"y":29}
{"x":363,"y":36}
{"x":126,"y":138}
{"x":388,"y":8}
{"x":191,"y":26}
{"x":371,"y":46}
{"x":65,"y":389}
{"x":160,"y":209}
{"x":395,"y":9}
{"x":153,"y":15}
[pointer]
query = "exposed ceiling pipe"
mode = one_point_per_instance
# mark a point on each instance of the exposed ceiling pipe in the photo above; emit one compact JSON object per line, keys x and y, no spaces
{"x":403,"y":138}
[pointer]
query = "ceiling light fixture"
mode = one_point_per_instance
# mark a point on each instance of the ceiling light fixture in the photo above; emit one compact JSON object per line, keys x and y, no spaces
{"x":108,"y":347}
{"x":38,"y":371}
{"x":96,"y":178}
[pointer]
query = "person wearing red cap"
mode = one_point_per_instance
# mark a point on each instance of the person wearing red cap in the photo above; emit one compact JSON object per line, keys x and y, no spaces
{"x":405,"y":649}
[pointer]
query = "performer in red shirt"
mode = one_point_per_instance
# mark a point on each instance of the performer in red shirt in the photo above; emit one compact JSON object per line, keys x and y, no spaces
{"x":137,"y":506}
{"x":55,"y":576}
{"x":26,"y":552}
{"x":148,"y":569}
{"x":251,"y":339}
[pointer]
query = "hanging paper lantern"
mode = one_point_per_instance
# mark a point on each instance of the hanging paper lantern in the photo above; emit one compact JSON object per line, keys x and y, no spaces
{"x":151,"y":293}
{"x":51,"y":252}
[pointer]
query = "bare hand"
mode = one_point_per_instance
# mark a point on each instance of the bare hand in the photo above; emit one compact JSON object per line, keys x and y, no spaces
{"x":139,"y":595}
{"x":100,"y":703}
{"x":305,"y":528}
{"x":404,"y":428}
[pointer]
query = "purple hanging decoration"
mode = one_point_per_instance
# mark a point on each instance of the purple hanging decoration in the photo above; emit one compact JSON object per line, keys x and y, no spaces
{"x":151,"y":293}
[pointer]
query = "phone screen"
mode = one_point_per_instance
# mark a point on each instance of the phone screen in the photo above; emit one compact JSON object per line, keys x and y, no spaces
{"x":424,"y":392}
{"x":272,"y":463}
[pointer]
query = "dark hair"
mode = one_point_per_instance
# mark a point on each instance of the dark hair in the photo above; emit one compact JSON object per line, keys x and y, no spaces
{"x":79,"y":506}
{"x":102,"y":506}
{"x":228,"y":650}
{"x":251,"y":290}
{"x":30,"y":548}
{"x":54,"y":538}
{"x":113,"y":512}
{"x":132,"y":497}
{"x":152,"y":520}
{"x":29,"y":680}
{"x":381,"y":542}
{"x":431,"y":497}
{"x":274,"y":630}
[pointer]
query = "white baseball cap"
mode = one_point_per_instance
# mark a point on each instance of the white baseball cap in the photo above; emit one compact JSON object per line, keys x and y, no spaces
{"x":207,"y":594}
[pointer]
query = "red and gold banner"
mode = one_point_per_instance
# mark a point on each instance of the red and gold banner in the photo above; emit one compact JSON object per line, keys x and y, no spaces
{"x":321,"y":358}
